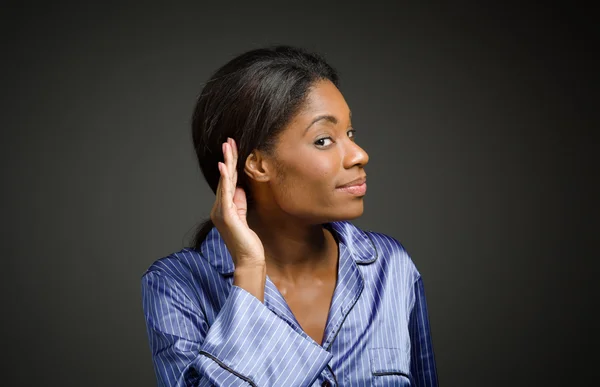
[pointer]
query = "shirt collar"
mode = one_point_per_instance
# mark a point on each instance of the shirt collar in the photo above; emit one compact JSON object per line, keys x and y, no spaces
{"x":360,"y":245}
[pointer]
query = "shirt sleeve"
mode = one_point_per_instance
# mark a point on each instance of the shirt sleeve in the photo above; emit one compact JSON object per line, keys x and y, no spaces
{"x":422,"y":364}
{"x":247,"y":344}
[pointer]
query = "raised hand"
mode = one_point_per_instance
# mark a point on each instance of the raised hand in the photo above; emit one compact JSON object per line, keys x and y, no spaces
{"x":229,"y":214}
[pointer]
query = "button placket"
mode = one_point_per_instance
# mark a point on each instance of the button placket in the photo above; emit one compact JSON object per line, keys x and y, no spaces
{"x":329,"y":378}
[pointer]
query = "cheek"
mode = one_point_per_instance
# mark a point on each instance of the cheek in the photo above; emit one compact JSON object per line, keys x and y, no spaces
{"x":317,"y":174}
{"x":311,"y":180}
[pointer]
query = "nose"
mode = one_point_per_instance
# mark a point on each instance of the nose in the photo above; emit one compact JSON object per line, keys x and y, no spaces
{"x":355,"y":155}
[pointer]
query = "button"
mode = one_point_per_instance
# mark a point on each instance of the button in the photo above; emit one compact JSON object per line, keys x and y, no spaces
{"x":326,"y":384}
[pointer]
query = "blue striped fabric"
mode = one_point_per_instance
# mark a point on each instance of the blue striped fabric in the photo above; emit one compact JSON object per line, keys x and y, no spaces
{"x":204,"y":331}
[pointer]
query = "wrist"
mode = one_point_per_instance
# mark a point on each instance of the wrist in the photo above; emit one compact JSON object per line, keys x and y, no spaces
{"x":251,"y":278}
{"x":251,"y":266}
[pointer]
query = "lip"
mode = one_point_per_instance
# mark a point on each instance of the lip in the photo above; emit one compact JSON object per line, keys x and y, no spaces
{"x":356,"y":187}
{"x":354,"y":183}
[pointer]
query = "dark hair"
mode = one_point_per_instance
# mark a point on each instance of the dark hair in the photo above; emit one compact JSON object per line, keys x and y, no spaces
{"x":251,"y":99}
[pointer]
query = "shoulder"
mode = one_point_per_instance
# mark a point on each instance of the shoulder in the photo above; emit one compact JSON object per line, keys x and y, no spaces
{"x":392,"y":253}
{"x":368,"y":246}
{"x":185,"y":268}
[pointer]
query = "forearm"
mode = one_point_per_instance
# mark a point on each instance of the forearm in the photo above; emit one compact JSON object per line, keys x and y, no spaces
{"x":423,"y":366}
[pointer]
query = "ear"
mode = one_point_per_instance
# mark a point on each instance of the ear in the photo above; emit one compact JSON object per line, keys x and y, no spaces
{"x":258,"y":167}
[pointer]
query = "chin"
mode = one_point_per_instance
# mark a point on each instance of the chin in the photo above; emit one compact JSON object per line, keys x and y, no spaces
{"x":341,"y":211}
{"x":351,"y":211}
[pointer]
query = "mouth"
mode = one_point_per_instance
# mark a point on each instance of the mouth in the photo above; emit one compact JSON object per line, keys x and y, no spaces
{"x":355,"y":182}
{"x":356,"y":187}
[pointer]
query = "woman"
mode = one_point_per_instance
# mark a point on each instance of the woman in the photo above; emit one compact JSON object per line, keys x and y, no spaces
{"x":280,"y":289}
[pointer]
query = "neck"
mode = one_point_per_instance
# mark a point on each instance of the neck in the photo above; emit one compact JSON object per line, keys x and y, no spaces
{"x":293,"y":249}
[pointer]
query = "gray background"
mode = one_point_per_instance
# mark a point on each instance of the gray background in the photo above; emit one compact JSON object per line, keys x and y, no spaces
{"x":478,"y":122}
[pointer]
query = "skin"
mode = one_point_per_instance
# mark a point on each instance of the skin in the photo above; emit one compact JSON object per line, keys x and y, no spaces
{"x":295,"y":189}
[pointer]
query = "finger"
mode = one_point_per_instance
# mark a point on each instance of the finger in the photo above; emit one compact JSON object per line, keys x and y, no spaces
{"x":225,"y":206}
{"x":235,"y":160}
{"x":235,"y":149}
{"x":226,"y":197}
{"x":230,"y":165}
{"x":226,"y":157}
{"x":225,"y":163}
{"x":216,"y":209}
{"x":221,"y":185}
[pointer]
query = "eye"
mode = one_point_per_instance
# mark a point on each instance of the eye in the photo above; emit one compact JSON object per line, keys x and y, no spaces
{"x":353,"y":131}
{"x":320,"y":141}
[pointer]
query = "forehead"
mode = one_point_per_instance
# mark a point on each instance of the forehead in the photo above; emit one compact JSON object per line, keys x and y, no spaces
{"x":324,"y":98}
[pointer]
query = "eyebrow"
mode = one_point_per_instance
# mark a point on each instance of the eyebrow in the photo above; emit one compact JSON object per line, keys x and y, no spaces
{"x":327,"y":117}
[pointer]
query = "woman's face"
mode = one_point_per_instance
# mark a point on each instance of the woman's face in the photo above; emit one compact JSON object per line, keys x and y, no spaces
{"x":316,"y":153}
